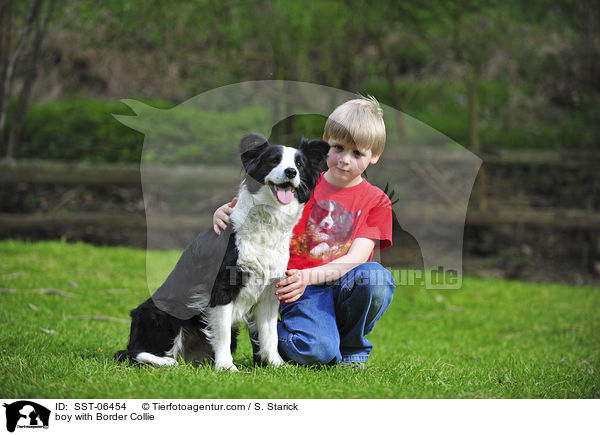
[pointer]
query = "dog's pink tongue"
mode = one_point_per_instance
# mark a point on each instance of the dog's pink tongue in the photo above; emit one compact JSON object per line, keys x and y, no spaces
{"x":285,"y":195}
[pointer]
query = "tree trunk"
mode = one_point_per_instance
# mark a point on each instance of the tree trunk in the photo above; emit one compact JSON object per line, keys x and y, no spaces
{"x":30,"y":71}
{"x":32,"y":15}
{"x":6,"y":7}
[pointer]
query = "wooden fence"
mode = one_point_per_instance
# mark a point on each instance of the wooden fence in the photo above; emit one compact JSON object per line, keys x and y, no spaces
{"x":64,"y":173}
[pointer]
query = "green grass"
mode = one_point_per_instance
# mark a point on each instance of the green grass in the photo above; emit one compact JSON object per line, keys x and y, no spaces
{"x":491,"y":339}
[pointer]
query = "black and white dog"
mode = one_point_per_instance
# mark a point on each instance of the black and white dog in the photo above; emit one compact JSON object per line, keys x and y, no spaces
{"x":220,"y":281}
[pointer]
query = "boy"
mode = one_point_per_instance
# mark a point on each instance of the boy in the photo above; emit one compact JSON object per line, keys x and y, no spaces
{"x":333,"y":295}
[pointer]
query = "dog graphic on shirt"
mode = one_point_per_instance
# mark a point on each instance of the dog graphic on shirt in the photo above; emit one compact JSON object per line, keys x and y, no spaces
{"x":328,"y":230}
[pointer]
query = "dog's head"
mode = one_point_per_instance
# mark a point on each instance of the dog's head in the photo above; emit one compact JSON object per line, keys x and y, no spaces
{"x":289,"y":173}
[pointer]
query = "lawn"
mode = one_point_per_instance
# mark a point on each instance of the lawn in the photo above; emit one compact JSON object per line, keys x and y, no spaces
{"x":64,"y":310}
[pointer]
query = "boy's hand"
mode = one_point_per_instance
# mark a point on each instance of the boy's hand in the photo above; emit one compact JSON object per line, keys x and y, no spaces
{"x":221,"y":216}
{"x":291,"y":288}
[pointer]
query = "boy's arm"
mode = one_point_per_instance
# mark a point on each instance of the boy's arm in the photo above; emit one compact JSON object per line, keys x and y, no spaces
{"x":291,"y":288}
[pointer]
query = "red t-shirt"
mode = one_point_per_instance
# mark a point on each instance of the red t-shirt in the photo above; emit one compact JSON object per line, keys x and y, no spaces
{"x":335,"y":216}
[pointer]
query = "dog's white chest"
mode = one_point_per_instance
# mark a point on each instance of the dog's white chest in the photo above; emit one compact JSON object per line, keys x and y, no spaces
{"x":263,"y":251}
{"x":263,"y":258}
{"x":263,"y":239}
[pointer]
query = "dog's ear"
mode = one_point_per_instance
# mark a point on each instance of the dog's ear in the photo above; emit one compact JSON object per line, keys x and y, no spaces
{"x":251,"y":146}
{"x":315,"y":151}
{"x":252,"y":142}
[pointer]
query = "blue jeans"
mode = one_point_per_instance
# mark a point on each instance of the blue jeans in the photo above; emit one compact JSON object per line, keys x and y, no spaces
{"x":329,"y":322}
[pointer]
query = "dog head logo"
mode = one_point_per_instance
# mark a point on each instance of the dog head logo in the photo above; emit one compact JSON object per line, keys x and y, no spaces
{"x":432,"y":175}
{"x":329,"y":229}
{"x":26,"y":414}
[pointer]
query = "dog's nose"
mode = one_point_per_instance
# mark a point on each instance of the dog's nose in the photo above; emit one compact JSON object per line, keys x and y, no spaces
{"x":290,"y":173}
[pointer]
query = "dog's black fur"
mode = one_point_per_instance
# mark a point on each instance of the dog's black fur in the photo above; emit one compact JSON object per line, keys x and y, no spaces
{"x":153,"y":330}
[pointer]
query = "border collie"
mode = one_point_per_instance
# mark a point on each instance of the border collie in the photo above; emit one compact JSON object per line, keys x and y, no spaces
{"x":220,"y":281}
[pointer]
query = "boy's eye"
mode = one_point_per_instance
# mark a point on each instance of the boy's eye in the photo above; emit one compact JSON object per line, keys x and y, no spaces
{"x":339,"y":147}
{"x":357,"y":153}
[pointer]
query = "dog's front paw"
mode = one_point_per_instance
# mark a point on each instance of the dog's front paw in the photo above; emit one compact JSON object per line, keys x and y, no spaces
{"x":222,"y":367}
{"x":276,"y":361}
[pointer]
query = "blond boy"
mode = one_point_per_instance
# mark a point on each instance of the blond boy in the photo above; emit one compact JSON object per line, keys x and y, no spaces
{"x":333,"y":294}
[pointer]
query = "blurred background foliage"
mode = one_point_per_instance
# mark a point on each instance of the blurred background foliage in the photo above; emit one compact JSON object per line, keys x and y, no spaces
{"x":517,"y":83}
{"x":493,"y":74}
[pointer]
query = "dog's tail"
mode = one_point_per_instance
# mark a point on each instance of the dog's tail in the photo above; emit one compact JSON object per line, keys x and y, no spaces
{"x":141,"y":357}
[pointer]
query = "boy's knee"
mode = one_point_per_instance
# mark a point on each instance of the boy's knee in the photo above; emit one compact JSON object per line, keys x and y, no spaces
{"x":381,"y":295}
{"x":369,"y":284}
{"x":308,"y":350}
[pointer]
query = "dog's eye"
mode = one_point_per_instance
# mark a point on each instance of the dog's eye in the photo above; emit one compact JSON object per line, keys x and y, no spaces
{"x":299,"y":163}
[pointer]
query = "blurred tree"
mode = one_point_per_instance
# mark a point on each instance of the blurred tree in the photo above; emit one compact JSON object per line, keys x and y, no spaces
{"x":477,"y":31}
{"x":35,"y":21}
{"x":30,"y":71}
{"x":395,"y":30}
{"x":523,"y":74}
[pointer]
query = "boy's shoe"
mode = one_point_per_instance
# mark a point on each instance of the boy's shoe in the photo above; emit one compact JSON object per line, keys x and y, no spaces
{"x":352,"y":365}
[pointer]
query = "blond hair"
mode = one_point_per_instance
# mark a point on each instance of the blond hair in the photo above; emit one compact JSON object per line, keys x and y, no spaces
{"x":358,"y":122}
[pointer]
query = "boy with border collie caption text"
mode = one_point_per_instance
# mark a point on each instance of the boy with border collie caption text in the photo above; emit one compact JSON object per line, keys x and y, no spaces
{"x":333,"y":294}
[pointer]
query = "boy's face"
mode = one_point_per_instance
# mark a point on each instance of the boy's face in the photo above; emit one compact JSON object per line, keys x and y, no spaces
{"x":347,"y":162}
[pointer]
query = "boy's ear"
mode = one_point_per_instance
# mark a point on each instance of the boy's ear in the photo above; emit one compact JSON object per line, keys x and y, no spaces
{"x":375,"y":158}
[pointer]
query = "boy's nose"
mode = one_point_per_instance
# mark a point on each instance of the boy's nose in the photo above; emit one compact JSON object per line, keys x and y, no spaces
{"x":345,"y":156}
